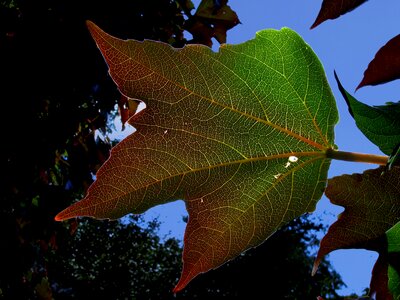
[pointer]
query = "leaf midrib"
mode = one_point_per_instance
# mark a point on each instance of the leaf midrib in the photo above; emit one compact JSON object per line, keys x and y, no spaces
{"x":316,"y":154}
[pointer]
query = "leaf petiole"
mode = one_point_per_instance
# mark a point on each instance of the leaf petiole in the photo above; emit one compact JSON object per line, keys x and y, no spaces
{"x":357,"y":157}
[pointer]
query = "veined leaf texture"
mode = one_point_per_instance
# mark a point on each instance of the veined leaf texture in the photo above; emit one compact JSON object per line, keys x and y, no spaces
{"x":240,"y":135}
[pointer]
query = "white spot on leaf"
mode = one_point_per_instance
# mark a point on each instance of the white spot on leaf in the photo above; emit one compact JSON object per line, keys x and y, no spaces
{"x":277,"y":175}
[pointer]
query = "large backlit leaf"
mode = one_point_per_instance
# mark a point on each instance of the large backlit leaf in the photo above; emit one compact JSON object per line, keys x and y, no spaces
{"x":372,"y":206}
{"x":239,"y":135}
{"x":332,"y":9}
{"x":380,"y":124}
{"x":385,"y":66}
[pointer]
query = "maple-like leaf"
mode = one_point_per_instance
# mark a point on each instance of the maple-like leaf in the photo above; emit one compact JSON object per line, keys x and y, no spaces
{"x":240,"y":135}
{"x":332,"y":9}
{"x":385,"y":66}
{"x":372,"y":206}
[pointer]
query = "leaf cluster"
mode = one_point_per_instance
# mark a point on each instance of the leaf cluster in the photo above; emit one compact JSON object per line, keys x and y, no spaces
{"x":370,"y":199}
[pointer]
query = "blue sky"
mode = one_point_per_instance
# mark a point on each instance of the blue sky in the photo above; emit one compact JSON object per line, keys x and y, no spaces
{"x":346,"y":45}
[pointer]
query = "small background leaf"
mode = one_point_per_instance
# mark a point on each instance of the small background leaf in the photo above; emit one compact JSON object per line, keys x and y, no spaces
{"x":211,"y":20}
{"x":379,"y":286}
{"x":332,"y":9}
{"x":127,"y":108}
{"x":380,"y":124}
{"x":385,"y":66}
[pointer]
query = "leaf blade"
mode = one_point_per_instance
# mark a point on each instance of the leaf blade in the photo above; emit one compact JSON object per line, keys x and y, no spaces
{"x":371,"y":208}
{"x":380,"y":124}
{"x":332,"y":9}
{"x":385,"y":66}
{"x":368,"y":196}
{"x":245,"y":150}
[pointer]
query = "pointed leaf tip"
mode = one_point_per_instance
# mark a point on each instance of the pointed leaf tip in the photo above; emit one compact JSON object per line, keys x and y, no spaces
{"x":332,"y":9}
{"x":78,"y":209}
{"x":63,"y":215}
{"x":316,"y":265}
{"x":177,"y":289}
{"x":385,"y":66}
{"x":380,"y":124}
{"x":92,"y":26}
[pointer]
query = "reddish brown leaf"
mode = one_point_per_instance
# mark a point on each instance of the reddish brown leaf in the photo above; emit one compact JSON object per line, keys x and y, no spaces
{"x":379,"y":281}
{"x":127,"y":108}
{"x":240,"y":135}
{"x":385,"y":66}
{"x":371,"y":202}
{"x":73,"y":226}
{"x":332,"y":9}
{"x":212,"y":21}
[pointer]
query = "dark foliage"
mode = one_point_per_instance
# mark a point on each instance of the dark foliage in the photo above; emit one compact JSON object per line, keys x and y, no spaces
{"x":55,"y":93}
{"x":115,"y":260}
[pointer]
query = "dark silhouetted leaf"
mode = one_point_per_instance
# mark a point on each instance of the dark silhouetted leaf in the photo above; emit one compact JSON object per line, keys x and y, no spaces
{"x":385,"y":66}
{"x":379,"y":280}
{"x":212,"y":20}
{"x":332,"y":9}
{"x":240,"y":135}
{"x":372,"y":206}
{"x":380,"y":124}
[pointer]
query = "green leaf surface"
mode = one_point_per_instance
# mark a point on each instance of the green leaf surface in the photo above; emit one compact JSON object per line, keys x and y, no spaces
{"x":393,"y":248}
{"x":394,"y":282}
{"x":393,"y":237}
{"x":380,"y":124}
{"x":372,"y":206}
{"x":240,"y":135}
